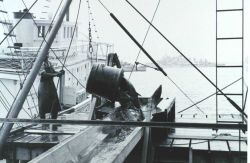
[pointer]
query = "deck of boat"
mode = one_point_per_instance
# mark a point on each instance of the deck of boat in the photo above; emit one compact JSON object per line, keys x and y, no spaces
{"x":80,"y":143}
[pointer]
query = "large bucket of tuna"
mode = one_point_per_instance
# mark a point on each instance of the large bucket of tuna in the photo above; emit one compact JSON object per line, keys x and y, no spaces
{"x":104,"y":81}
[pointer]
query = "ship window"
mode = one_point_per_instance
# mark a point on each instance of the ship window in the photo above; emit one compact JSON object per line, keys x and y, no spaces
{"x":64,"y":32}
{"x":76,"y":32}
{"x":77,"y":69}
{"x":68,"y":32}
{"x":10,"y":27}
{"x":71,"y":31}
{"x":41,"y":31}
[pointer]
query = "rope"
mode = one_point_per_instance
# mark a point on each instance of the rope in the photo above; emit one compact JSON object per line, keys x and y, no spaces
{"x":18,"y":22}
{"x":184,"y":94}
{"x":69,"y":71}
{"x":145,"y":37}
{"x":245,"y":101}
{"x":210,"y":81}
{"x":210,"y":95}
{"x":38,"y":51}
{"x":7,"y":107}
{"x":44,"y":40}
{"x":149,"y":56}
{"x":72,"y":34}
{"x":13,"y":97}
{"x":136,"y":63}
{"x":40,"y":44}
{"x":64,"y":62}
{"x":12,"y":55}
{"x":104,"y":6}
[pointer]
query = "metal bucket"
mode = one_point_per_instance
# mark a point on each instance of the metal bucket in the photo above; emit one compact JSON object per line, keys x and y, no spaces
{"x":104,"y":81}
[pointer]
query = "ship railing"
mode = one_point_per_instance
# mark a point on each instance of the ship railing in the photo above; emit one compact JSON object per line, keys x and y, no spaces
{"x":23,"y":58}
{"x":100,"y":49}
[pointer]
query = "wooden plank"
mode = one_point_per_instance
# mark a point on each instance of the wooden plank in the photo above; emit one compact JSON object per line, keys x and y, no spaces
{"x":37,"y":131}
{"x":92,"y":109}
{"x":55,"y":139}
{"x":41,"y":139}
{"x":69,"y":150}
{"x":27,"y":138}
{"x":147,"y":132}
{"x":12,"y":138}
{"x":112,"y":152}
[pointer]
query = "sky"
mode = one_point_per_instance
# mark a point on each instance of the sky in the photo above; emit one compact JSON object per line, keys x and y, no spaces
{"x":189,"y":24}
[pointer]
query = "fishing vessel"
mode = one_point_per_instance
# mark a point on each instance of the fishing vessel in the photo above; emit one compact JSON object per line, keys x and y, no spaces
{"x":116,"y":123}
{"x":22,"y":46}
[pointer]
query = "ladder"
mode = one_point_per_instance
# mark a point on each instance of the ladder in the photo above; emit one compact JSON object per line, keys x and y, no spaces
{"x":226,"y":42}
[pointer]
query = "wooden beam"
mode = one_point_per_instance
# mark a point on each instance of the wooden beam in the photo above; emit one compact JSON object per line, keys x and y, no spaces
{"x":92,"y":109}
{"x":147,"y":133}
{"x":70,"y":149}
{"x":190,"y":155}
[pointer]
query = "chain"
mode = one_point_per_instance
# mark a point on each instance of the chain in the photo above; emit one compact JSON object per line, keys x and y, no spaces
{"x":90,"y":33}
{"x":90,"y":42}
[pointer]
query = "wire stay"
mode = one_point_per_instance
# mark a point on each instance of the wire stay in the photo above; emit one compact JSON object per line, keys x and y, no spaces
{"x":145,"y":37}
{"x":237,"y":107}
{"x":149,"y":56}
{"x":11,"y":30}
{"x":210,"y":95}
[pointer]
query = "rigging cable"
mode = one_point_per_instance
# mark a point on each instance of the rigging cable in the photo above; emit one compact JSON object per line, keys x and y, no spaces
{"x":245,"y":101}
{"x":44,"y":40}
{"x":144,"y":40}
{"x":18,"y":22}
{"x":40,"y":44}
{"x":150,"y":57}
{"x":72,"y":36}
{"x":71,"y":40}
{"x":137,"y":63}
{"x":53,"y":52}
{"x":12,"y":58}
{"x":229,"y":99}
{"x":211,"y":95}
{"x":5,"y":106}
{"x":69,"y":71}
{"x":21,"y":82}
{"x":12,"y":96}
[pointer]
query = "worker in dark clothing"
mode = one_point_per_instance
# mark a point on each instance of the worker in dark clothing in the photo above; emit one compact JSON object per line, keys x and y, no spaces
{"x":48,"y":100}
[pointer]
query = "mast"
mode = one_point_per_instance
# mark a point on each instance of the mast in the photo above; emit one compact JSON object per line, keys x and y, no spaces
{"x":18,"y":103}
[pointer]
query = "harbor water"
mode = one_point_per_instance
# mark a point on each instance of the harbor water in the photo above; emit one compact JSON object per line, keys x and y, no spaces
{"x":193,"y":84}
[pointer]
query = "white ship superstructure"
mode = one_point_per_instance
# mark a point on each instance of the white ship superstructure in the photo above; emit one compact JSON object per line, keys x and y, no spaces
{"x":20,"y":50}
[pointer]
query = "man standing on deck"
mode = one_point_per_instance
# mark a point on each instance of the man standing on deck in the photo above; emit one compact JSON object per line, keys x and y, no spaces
{"x":48,"y":100}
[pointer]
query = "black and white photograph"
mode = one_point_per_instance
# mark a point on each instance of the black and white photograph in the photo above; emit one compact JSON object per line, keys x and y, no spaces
{"x":124,"y":81}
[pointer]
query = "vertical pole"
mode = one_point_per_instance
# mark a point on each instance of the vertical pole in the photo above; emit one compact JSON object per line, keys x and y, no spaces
{"x":242,"y":69}
{"x":216,"y":62}
{"x":18,"y":103}
{"x":242,"y":59}
{"x":147,"y":134}
{"x":62,"y":83}
{"x":190,"y":155}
